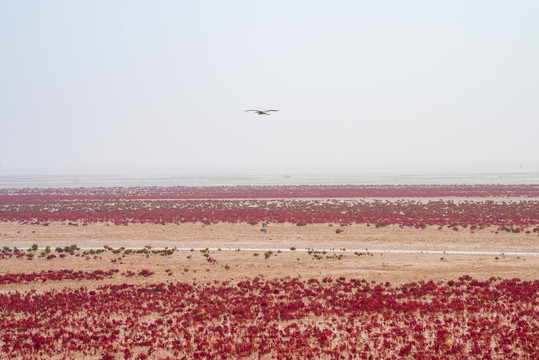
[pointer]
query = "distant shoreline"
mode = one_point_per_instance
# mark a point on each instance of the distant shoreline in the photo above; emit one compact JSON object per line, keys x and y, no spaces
{"x":258,"y":179}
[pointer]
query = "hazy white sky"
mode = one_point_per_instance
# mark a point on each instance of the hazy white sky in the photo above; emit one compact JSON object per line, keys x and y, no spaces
{"x":162,"y":85}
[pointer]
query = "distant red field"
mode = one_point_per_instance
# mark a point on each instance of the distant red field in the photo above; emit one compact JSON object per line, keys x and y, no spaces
{"x":261,"y":192}
{"x":296,"y":204}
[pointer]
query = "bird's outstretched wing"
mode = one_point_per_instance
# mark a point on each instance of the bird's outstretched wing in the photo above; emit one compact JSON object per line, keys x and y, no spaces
{"x":260,"y":112}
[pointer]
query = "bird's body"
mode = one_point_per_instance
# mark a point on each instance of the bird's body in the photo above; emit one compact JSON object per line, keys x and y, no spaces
{"x":262,"y":112}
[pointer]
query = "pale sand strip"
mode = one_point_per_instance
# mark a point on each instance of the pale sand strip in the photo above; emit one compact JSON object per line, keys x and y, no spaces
{"x":276,"y":236}
{"x":375,"y":251}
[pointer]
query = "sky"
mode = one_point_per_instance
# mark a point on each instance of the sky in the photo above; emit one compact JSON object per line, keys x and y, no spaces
{"x":161,"y":86}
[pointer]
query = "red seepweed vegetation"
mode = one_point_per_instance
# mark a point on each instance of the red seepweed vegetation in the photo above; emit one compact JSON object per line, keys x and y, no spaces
{"x":122,"y":206}
{"x":269,"y":319}
{"x":278,"y":191}
{"x":280,"y":319}
{"x":65,"y":274}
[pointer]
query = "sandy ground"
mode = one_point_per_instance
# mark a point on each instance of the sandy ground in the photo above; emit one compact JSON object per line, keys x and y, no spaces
{"x":316,"y":236}
{"x":191,"y":266}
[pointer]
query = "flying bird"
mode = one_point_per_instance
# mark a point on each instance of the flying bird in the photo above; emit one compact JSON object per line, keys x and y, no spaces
{"x":260,"y":112}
